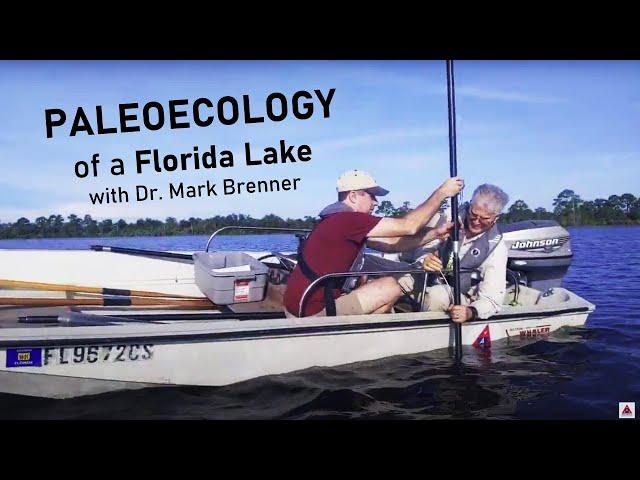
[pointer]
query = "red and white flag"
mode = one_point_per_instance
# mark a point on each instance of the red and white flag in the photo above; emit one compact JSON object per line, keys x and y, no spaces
{"x":484,"y":339}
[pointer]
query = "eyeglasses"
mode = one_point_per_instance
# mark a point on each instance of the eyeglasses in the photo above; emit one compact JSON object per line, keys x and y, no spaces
{"x":475,"y":216}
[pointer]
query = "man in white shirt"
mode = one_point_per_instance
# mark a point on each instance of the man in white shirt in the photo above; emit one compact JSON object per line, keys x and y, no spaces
{"x":483,"y":260}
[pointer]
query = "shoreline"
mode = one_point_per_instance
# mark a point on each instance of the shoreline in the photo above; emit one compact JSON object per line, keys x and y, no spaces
{"x":622,"y":225}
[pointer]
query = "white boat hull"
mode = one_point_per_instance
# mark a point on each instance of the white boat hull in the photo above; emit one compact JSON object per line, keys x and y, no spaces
{"x":218,"y":353}
{"x":69,"y":361}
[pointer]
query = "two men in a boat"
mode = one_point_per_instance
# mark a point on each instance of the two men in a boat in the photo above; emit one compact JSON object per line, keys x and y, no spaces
{"x":337,"y":245}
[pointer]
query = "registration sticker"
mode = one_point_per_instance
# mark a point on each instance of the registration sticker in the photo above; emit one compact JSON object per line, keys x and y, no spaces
{"x":24,"y":357}
{"x":43,"y":357}
{"x":96,"y":354}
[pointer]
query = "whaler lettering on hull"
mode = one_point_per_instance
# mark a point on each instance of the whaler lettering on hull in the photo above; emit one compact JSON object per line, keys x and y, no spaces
{"x":529,"y":332}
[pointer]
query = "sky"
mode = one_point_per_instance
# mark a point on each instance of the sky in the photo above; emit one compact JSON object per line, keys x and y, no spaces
{"x":534,"y":128}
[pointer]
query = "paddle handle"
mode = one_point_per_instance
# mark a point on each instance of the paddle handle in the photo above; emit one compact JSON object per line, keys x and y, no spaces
{"x":106,"y":302}
{"x":59,"y":287}
{"x":144,"y":253}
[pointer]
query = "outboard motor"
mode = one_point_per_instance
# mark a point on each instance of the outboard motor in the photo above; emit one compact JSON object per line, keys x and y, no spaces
{"x":539,"y":252}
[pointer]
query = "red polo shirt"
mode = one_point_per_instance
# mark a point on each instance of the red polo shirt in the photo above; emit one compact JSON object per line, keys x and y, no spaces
{"x":332,"y":247}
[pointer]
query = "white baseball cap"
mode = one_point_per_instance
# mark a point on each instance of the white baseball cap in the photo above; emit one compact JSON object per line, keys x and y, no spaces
{"x":359,"y":180}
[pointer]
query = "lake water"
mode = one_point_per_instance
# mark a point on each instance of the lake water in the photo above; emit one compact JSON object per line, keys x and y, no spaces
{"x":575,"y":373}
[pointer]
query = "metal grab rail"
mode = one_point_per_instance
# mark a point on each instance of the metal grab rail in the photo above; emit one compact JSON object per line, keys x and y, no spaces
{"x":351,"y":274}
{"x":515,"y":278}
{"x":206,"y":249}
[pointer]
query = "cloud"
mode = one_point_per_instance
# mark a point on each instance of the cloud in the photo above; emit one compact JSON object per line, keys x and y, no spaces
{"x":506,"y":96}
{"x":381,"y":137}
{"x":417,"y":85}
{"x":590,"y":175}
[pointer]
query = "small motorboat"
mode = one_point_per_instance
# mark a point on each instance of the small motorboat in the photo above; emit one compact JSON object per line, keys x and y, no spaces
{"x":149,"y":319}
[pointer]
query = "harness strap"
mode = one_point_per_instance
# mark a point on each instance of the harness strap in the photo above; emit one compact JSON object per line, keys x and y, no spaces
{"x":329,"y":301}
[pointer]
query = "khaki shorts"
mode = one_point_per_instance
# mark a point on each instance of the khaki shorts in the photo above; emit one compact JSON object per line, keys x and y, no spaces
{"x":348,"y":304}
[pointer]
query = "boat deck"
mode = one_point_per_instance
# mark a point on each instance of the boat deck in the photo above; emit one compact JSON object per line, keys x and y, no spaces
{"x":270,"y":307}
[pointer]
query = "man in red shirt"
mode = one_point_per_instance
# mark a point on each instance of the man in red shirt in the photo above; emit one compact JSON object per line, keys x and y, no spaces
{"x":345,"y":227}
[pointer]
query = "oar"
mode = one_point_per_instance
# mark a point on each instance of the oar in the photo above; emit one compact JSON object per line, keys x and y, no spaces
{"x":131,"y":316}
{"x":74,"y":318}
{"x":59,"y":287}
{"x":453,"y":167}
{"x":104,"y":302}
{"x":146,"y":253}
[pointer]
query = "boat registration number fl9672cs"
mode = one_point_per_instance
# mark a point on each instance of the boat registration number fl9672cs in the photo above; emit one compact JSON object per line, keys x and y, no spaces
{"x":42,"y":357}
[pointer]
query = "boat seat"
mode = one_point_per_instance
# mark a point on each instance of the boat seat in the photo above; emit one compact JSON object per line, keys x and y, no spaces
{"x":411,"y":300}
{"x":375,"y":263}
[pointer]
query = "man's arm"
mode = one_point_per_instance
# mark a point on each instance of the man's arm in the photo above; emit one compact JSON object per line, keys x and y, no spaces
{"x":402,"y":244}
{"x":417,"y":253}
{"x":413,"y":221}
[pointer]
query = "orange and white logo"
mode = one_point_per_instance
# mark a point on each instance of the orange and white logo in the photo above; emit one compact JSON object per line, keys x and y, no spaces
{"x":627,"y":410}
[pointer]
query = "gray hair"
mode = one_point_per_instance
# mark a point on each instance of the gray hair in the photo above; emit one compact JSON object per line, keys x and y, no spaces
{"x":493,"y":197}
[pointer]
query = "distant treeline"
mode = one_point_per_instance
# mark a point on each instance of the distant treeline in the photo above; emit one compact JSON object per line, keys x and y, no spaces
{"x":74,"y":226}
{"x":569,"y":210}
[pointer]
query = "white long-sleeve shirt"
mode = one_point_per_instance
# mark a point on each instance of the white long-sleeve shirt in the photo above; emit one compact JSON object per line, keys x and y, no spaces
{"x":488,"y":295}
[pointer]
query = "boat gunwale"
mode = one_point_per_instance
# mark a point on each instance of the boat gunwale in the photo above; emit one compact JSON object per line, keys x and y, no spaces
{"x":287,"y":331}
